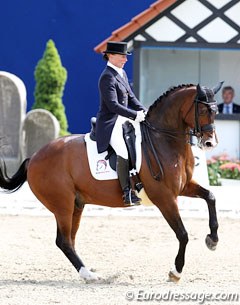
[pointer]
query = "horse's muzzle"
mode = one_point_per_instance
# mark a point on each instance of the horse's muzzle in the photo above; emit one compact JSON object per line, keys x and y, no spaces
{"x":210,"y":142}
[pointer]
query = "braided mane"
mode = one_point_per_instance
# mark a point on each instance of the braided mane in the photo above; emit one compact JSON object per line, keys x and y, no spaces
{"x":166,"y":94}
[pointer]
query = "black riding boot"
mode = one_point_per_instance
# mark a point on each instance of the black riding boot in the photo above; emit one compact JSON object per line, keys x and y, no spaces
{"x":129,"y":196}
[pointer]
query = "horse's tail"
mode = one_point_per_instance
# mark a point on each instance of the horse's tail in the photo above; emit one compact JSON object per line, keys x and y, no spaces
{"x":16,"y":181}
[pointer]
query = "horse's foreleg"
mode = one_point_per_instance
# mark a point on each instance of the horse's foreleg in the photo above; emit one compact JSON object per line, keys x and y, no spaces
{"x":67,"y":226}
{"x":195,"y":190}
{"x":171,"y":214}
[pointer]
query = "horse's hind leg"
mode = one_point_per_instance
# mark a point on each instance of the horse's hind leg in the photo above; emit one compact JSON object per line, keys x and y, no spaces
{"x":76,"y":217}
{"x":195,"y":190}
{"x":67,"y":225}
{"x":170,"y":212}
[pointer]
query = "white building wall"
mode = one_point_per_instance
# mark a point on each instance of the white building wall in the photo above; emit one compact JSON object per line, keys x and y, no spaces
{"x":163,"y":68}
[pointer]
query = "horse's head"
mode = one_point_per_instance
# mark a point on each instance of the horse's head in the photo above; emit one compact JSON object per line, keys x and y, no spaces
{"x":201,"y":115}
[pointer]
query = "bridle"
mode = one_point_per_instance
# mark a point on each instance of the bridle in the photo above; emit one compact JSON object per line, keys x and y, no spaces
{"x":211,"y":107}
{"x":198,"y":130}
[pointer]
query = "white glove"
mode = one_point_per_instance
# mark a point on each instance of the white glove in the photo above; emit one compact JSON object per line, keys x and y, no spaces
{"x":140,"y":116}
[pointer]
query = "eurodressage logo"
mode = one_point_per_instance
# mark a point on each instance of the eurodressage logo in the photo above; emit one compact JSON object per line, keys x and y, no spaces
{"x":101,"y":167}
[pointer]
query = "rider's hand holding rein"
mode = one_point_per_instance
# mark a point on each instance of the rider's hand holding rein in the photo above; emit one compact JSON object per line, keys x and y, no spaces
{"x":140,"y":116}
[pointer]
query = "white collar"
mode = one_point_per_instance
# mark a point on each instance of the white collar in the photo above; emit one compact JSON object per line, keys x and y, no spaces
{"x":119,"y":70}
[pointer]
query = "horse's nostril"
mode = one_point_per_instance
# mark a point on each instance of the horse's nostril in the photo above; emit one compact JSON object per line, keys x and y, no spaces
{"x":208,"y":144}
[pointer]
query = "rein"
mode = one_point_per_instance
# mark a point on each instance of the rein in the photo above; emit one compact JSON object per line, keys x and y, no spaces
{"x":147,"y":139}
{"x":171,"y":133}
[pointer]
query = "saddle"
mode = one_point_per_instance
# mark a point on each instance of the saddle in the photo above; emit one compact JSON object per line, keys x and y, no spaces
{"x":103,"y":165}
{"x":129,"y":138}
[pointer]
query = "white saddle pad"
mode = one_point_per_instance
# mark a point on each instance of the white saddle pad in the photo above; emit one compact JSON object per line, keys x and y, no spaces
{"x":100,"y":167}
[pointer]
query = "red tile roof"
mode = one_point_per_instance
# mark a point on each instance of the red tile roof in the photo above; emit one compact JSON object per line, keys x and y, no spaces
{"x":137,"y":22}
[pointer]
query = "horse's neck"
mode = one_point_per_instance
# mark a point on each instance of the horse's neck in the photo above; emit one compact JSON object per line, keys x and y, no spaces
{"x":167,"y":113}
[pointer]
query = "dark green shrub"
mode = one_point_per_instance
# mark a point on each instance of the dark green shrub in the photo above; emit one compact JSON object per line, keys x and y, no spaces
{"x":50,"y":78}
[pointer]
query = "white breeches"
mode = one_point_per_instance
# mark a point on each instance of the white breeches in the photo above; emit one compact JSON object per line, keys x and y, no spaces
{"x":117,"y":141}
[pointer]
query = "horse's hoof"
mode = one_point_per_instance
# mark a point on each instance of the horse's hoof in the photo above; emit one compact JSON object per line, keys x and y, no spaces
{"x":174,"y":276}
{"x":88,"y":275}
{"x":211,"y":244}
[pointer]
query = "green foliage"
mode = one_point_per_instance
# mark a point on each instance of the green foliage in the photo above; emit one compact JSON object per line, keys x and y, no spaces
{"x":50,"y":78}
{"x":222,"y":167}
{"x":230,"y":170}
{"x":214,"y":174}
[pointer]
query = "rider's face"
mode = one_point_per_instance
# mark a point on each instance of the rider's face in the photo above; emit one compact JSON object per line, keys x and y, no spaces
{"x":117,"y":60}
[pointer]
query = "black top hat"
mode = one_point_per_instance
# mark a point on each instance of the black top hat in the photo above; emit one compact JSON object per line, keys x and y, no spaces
{"x":117,"y":48}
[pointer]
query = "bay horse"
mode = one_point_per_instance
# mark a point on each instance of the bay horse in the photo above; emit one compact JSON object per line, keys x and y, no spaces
{"x":59,"y":173}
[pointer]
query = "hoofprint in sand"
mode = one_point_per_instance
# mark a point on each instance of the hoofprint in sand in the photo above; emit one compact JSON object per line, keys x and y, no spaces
{"x":132,"y":254}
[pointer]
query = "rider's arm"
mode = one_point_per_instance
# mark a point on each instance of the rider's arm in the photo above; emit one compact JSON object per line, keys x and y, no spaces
{"x":108,"y":91}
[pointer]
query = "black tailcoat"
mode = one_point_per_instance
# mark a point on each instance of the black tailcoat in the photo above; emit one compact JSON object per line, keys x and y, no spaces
{"x":116,"y":98}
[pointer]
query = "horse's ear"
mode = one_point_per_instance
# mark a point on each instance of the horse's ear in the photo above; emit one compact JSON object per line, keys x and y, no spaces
{"x":200,"y":91}
{"x":217,"y":87}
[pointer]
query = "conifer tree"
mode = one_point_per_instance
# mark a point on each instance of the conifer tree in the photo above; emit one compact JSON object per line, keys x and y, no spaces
{"x":50,"y":77}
